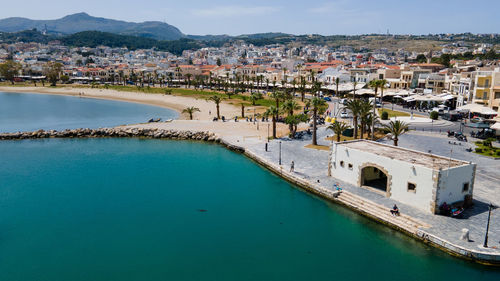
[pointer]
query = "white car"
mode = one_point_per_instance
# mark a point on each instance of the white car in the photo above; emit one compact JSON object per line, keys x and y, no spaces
{"x":344,"y":115}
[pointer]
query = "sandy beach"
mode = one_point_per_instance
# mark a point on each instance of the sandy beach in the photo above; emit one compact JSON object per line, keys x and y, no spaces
{"x":177,"y":103}
{"x":202,"y":120}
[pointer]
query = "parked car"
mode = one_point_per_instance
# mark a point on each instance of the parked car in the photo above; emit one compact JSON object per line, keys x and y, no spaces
{"x":344,"y":114}
{"x":327,"y":99}
{"x":343,"y":101}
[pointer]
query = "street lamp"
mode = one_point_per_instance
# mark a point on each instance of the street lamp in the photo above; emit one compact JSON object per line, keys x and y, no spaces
{"x":267,"y":132}
{"x":280,"y":154}
{"x":487,"y":226}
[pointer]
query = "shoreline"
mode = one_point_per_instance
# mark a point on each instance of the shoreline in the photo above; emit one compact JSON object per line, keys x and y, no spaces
{"x":172,"y":102}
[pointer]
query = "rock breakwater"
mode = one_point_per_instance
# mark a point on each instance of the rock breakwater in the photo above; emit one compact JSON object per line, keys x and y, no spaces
{"x":113,"y":132}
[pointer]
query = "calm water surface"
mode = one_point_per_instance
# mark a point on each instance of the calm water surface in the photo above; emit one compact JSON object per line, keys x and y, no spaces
{"x":130,"y":209}
{"x":29,"y":112}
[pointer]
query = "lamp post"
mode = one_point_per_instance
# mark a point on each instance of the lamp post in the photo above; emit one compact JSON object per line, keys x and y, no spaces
{"x":487,"y":227}
{"x":267,"y":132}
{"x":280,"y":155}
{"x":254,"y":115}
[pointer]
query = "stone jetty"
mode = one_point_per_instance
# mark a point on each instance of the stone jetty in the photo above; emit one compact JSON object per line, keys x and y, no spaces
{"x":113,"y":132}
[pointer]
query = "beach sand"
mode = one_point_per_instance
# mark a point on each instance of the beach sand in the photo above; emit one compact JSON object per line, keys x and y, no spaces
{"x":202,"y":120}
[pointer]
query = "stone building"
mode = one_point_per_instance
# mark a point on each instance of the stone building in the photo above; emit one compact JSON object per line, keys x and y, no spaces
{"x":419,"y":179}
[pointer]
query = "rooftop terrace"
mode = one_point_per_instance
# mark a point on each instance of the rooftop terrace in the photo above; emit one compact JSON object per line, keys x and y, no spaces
{"x":406,"y":155}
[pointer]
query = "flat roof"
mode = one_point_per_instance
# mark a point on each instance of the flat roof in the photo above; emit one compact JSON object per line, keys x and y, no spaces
{"x":403,"y":154}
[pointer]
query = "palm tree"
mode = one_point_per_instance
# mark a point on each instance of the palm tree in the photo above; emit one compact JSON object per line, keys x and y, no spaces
{"x":302,"y":88}
{"x":242,"y":109}
{"x":277,"y":96}
{"x":396,"y":128}
{"x":190,"y":111}
{"x":369,"y":120}
{"x":354,"y":106}
{"x":338,"y":128}
{"x":354,"y":88}
{"x":375,"y":84}
{"x":217,"y":100}
{"x":337,"y":82}
{"x":382,"y":87}
{"x":289,"y":106}
{"x":188,"y":76}
{"x":255,"y":97}
{"x":364,"y":113}
{"x":316,"y":88}
{"x":318,"y":106}
{"x":273,"y":112}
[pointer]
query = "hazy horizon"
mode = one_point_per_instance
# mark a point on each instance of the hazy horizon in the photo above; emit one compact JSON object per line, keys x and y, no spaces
{"x":339,"y":17}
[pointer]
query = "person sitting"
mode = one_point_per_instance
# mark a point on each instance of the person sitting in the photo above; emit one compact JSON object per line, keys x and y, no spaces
{"x":445,"y":209}
{"x":395,"y":210}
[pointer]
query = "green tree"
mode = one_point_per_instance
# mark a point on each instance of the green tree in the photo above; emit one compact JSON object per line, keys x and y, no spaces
{"x":53,"y":71}
{"x":9,"y":69}
{"x":255,"y":97}
{"x":64,"y":78}
{"x":421,"y":58}
{"x":293,"y":121}
{"x":338,"y":128}
{"x":273,"y":112}
{"x":396,"y":128}
{"x":190,"y":111}
{"x":364,"y":112}
{"x":289,"y":106}
{"x":217,"y":100}
{"x":318,"y":106}
{"x":354,"y":106}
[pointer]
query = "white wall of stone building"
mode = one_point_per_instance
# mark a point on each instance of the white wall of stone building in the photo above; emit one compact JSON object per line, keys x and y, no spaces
{"x":450,"y":188}
{"x":401,"y":173}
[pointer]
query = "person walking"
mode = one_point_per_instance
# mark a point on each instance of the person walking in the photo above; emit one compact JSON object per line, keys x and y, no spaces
{"x":292,"y":167}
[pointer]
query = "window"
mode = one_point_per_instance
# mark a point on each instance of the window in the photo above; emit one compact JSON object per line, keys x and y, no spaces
{"x":350,"y":166}
{"x":497,"y":95}
{"x":412,"y":187}
{"x":465,"y":187}
{"x":342,"y":164}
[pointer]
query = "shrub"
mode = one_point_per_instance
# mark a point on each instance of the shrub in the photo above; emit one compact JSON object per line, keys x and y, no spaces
{"x":498,"y":153}
{"x":384,"y":115}
{"x":487,"y":142}
{"x":434,"y":115}
{"x":479,"y":150}
{"x":479,"y":143}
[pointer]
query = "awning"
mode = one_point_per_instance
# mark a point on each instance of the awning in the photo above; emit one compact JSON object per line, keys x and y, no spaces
{"x":477,"y":108}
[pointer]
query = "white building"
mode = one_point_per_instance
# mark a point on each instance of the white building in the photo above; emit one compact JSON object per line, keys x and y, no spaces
{"x":414,"y":178}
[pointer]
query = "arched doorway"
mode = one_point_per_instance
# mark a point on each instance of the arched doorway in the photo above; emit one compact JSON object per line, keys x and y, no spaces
{"x":374,"y":177}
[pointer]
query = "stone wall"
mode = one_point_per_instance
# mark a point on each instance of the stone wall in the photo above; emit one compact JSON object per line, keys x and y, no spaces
{"x":113,"y":132}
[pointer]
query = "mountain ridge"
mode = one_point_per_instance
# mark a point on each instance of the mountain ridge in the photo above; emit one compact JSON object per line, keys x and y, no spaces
{"x":79,"y":22}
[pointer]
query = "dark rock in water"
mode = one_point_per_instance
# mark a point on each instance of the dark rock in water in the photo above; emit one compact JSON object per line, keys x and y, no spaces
{"x":202,"y":210}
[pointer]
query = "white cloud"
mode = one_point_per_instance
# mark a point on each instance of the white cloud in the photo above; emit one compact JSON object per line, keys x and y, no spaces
{"x":234,"y":11}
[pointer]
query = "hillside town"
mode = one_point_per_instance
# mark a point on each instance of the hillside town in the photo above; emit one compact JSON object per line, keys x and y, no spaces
{"x":420,"y":80}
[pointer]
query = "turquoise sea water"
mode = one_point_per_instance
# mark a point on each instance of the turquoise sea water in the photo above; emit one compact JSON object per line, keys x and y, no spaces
{"x":29,"y":112}
{"x":130,"y":209}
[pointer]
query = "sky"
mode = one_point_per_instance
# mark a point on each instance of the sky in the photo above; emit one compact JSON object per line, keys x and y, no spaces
{"x":326,"y":17}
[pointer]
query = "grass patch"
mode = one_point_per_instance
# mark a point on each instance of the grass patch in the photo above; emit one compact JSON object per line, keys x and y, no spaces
{"x":486,"y":150}
{"x":378,"y":135}
{"x":393,"y":113}
{"x":318,"y":147}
